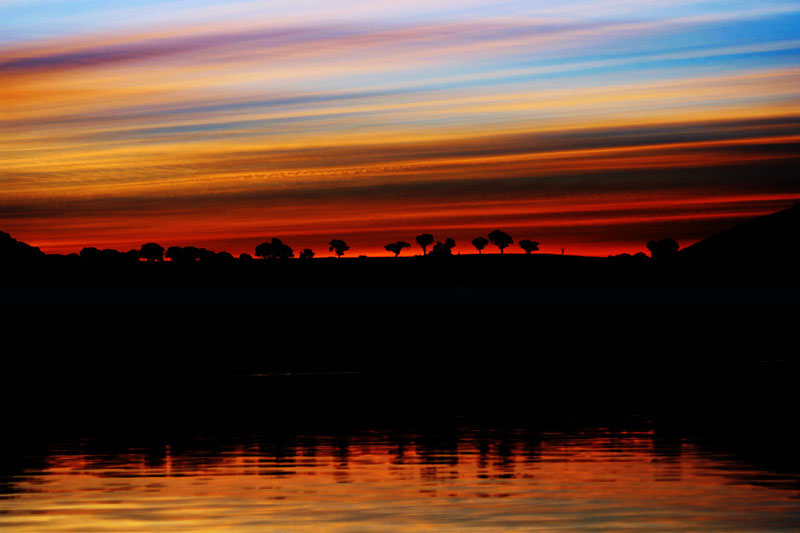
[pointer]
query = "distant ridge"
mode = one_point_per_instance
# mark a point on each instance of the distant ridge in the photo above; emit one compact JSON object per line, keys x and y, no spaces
{"x":766,"y":239}
{"x":12,"y":250}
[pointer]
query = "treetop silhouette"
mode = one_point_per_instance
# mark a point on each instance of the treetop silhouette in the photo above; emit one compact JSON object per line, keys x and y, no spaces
{"x":275,"y":250}
{"x":224,"y":258}
{"x":107,"y":256}
{"x":187,"y":254}
{"x":338,"y":246}
{"x":152,"y":252}
{"x":480,"y":243}
{"x":396,"y":247}
{"x":424,"y":240}
{"x":664,"y":249}
{"x":529,"y":246}
{"x":500,"y":239}
{"x":443,"y":249}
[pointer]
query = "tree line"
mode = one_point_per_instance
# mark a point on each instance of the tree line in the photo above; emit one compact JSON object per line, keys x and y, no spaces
{"x":276,"y":250}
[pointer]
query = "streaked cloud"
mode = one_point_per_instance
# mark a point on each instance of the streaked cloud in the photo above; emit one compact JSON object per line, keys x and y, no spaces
{"x":271,"y":118}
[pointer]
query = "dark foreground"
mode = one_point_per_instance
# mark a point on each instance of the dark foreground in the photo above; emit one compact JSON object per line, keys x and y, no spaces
{"x":472,"y":315}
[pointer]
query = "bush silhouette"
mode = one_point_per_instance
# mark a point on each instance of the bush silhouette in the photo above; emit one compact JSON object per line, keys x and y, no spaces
{"x":443,"y":249}
{"x":307,"y":253}
{"x":285,"y":252}
{"x":152,"y":252}
{"x":529,"y":246}
{"x":205,"y":256}
{"x":500,"y":239}
{"x":223,"y":258}
{"x":338,"y":246}
{"x":174,"y":253}
{"x":264,"y":250}
{"x":274,"y":249}
{"x":192,"y":253}
{"x":480,"y":243}
{"x":188,"y":254}
{"x":106,"y":257}
{"x":396,"y":247}
{"x":664,"y":249}
{"x":90,"y":253}
{"x":424,"y":240}
{"x":627,"y":259}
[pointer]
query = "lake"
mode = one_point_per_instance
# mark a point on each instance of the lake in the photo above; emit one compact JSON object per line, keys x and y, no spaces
{"x":409,"y":472}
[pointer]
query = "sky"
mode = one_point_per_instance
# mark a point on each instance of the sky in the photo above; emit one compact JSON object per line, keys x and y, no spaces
{"x":589,"y":126}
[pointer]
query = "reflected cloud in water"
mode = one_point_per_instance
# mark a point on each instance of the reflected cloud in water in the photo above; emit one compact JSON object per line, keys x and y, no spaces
{"x":594,"y":479}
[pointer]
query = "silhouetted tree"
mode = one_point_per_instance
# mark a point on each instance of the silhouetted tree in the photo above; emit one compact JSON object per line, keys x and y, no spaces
{"x":275,"y":249}
{"x":285,"y":252}
{"x":245,"y":258}
{"x":664,"y":249}
{"x":110,"y":255}
{"x":500,"y":239}
{"x":174,"y":253}
{"x":223,"y":258}
{"x":152,"y":252}
{"x":264,"y":250}
{"x":192,"y":254}
{"x":397,"y":247}
{"x":204,"y":256}
{"x":189,"y":254}
{"x":90,"y":253}
{"x":424,"y":240}
{"x":307,"y":253}
{"x":338,"y":246}
{"x":628,"y":259}
{"x":529,"y":246}
{"x":106,"y":256}
{"x":443,"y":249}
{"x":480,"y":243}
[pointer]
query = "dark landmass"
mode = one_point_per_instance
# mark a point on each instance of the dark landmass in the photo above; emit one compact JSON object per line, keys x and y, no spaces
{"x":110,"y":313}
{"x":772,"y":241}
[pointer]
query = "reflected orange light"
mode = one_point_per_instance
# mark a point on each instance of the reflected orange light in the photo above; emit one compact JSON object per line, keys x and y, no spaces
{"x":555,"y":482}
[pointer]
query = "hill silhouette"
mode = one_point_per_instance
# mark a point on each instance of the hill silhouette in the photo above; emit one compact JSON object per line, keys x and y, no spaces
{"x":769,"y":241}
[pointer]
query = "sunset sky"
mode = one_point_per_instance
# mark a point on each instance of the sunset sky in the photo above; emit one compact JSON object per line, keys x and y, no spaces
{"x":592,"y":126}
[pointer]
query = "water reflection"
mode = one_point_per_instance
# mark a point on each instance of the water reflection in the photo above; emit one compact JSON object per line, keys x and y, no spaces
{"x":594,"y":479}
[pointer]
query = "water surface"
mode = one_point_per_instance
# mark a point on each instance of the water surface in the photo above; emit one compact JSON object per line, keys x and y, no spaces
{"x":459,"y":478}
